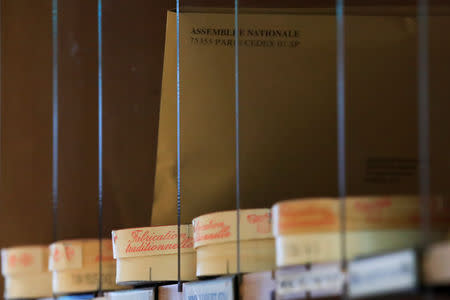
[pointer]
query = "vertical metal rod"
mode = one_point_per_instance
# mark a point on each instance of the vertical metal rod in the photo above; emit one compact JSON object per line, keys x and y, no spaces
{"x":180,"y":287}
{"x":423,"y":117}
{"x":236,"y":95}
{"x":342,"y":183}
{"x":424,"y":122}
{"x":100,"y":147}
{"x":55,"y":118}
{"x":1,"y":94}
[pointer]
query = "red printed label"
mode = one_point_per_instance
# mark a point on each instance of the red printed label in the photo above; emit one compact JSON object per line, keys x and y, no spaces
{"x":143,"y":241}
{"x":262,"y":222}
{"x":26,"y":260}
{"x":152,"y":241}
{"x":65,"y":252}
{"x":222,"y":227}
{"x":361,"y":213}
{"x":372,"y":206}
{"x":65,"y":256}
{"x":294,"y":217}
{"x":211,"y":231}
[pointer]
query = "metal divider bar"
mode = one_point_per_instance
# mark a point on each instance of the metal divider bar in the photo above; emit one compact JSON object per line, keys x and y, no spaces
{"x":100,"y":146}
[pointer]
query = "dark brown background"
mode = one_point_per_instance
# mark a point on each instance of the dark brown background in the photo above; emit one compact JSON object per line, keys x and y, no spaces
{"x":133,"y":40}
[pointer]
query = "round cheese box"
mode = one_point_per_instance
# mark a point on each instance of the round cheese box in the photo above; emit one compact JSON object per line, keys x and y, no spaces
{"x":361,"y":213}
{"x":216,"y":238}
{"x":310,"y":230}
{"x":26,"y":272}
{"x":76,"y":266}
{"x":150,"y":254}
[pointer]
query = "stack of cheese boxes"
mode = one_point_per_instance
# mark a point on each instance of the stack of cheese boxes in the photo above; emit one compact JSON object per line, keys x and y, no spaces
{"x":75,"y":265}
{"x":309,"y":230}
{"x":208,"y":247}
{"x":26,"y":272}
{"x":327,"y":230}
{"x":63,"y":268}
{"x":295,"y":232}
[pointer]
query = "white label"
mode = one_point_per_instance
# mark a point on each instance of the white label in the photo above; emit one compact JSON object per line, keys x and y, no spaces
{"x":147,"y":294}
{"x":320,"y":280}
{"x":217,"y":289}
{"x":64,"y":256}
{"x":388,"y":273}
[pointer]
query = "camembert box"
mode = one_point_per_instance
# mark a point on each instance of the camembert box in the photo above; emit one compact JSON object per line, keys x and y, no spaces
{"x":309,"y":230}
{"x":361,"y":213}
{"x":26,"y":272}
{"x":216,"y":242}
{"x":75,"y":266}
{"x":150,"y":254}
